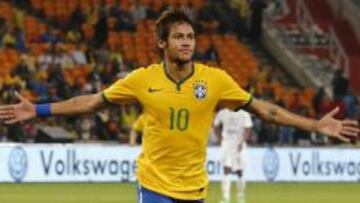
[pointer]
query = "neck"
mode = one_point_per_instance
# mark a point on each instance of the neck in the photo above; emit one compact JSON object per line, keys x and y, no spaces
{"x":178,"y":71}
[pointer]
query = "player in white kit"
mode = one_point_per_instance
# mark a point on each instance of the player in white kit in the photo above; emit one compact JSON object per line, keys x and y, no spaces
{"x":233,"y":129}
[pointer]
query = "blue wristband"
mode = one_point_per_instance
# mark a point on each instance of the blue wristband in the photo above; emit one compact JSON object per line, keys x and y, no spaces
{"x":43,"y":110}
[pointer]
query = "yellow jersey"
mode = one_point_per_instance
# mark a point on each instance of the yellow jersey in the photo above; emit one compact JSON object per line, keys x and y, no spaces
{"x":139,"y":124}
{"x":178,"y":120}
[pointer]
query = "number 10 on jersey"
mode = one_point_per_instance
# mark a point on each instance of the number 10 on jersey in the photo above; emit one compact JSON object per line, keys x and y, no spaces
{"x":179,"y":118}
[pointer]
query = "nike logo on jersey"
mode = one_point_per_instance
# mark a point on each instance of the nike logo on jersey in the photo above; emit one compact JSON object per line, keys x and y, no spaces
{"x":151,"y":90}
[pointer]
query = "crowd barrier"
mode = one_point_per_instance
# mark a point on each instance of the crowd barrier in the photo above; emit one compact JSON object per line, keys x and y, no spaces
{"x":117,"y":163}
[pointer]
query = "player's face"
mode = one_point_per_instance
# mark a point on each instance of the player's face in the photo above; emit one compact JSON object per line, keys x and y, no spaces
{"x":180,"y":45}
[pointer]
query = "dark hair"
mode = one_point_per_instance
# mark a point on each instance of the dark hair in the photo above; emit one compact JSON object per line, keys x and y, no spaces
{"x":169,"y":18}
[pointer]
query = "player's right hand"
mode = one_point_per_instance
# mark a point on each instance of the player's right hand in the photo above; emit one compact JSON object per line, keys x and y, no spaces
{"x":21,"y":111}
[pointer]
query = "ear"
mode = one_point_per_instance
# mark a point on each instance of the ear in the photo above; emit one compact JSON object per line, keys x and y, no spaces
{"x":161,"y":44}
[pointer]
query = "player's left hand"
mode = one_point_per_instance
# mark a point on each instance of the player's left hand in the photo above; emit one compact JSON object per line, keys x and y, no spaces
{"x":340,"y":129}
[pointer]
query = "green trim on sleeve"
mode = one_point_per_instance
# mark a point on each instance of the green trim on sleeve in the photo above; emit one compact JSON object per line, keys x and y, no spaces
{"x":246,"y":105}
{"x":106,"y":99}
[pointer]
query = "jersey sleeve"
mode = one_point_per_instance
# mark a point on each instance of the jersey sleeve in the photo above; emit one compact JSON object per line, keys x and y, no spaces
{"x":125,"y":90}
{"x":139,"y":124}
{"x":232,"y":96}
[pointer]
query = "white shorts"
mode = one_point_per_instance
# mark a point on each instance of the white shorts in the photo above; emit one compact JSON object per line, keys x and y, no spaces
{"x":232,"y":157}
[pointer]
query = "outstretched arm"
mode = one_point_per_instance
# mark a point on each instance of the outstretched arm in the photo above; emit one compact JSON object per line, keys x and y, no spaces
{"x":79,"y":105}
{"x":327,"y":125}
{"x":25,"y":110}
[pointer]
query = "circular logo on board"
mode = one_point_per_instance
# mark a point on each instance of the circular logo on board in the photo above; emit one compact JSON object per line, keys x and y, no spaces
{"x":271,"y":164}
{"x":17,"y":163}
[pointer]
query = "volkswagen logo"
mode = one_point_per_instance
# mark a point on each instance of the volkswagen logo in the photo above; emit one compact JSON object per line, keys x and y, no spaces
{"x":17,"y":163}
{"x":271,"y":163}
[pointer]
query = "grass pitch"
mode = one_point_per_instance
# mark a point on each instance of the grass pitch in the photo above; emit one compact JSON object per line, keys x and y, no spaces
{"x":126,"y":193}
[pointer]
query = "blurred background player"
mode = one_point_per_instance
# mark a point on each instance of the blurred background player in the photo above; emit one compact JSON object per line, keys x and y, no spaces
{"x":233,"y":129}
{"x":136,"y":131}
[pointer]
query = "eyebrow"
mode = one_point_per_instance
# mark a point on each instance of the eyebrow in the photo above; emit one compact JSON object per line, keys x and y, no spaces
{"x":182,"y":33}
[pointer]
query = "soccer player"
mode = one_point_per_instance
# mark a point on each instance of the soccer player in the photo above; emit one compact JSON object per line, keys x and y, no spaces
{"x":137,"y":130}
{"x":233,"y":129}
{"x":179,"y":98}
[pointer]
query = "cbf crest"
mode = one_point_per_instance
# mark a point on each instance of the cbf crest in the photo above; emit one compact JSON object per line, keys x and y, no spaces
{"x":200,"y":89}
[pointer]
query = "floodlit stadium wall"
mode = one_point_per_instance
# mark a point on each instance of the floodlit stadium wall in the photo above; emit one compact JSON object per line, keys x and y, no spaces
{"x":116,"y":163}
